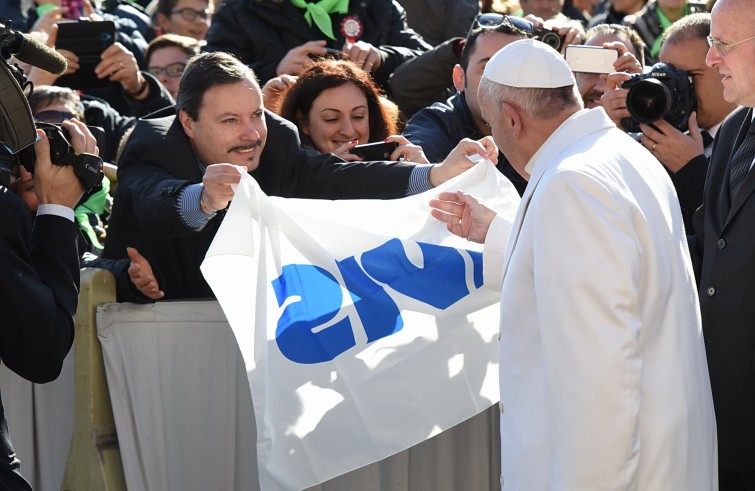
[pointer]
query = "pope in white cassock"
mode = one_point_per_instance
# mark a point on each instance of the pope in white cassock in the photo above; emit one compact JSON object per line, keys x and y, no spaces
{"x":604,"y":382}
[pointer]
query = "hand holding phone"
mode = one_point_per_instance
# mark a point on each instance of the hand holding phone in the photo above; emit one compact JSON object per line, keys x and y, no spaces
{"x":87,"y":40}
{"x":375,"y":151}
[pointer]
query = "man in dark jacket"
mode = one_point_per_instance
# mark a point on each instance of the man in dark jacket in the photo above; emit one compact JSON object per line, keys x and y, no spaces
{"x":276,"y":37}
{"x":39,"y":281}
{"x":438,"y":128}
{"x":723,"y":249}
{"x":176,"y":174}
{"x":685,"y":155}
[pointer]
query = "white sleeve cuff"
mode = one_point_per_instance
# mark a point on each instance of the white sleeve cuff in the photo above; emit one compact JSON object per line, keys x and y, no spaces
{"x":59,"y":210}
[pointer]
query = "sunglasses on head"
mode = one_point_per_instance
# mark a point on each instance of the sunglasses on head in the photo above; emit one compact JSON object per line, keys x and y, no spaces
{"x":56,"y":117}
{"x":493,"y":20}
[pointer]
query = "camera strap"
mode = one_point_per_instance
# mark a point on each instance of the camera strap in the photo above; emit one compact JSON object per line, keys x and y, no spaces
{"x":86,"y":166}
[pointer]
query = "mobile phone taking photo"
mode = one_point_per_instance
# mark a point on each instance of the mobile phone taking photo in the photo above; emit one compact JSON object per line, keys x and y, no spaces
{"x":591,"y":59}
{"x":375,"y":151}
{"x":87,"y":40}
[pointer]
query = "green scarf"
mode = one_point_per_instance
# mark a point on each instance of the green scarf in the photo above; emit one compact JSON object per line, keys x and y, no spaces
{"x":94,"y":205}
{"x":321,"y":11}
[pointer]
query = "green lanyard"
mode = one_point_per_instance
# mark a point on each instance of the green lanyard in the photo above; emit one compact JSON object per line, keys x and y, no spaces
{"x":321,"y":11}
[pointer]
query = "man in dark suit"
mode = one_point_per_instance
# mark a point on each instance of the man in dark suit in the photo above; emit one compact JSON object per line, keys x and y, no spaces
{"x":723,"y":248}
{"x":686,"y":155}
{"x":176,"y":173}
{"x":39,"y":280}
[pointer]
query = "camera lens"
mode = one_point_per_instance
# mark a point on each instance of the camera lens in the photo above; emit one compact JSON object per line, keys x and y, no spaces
{"x":649,"y":100}
{"x":552,"y":39}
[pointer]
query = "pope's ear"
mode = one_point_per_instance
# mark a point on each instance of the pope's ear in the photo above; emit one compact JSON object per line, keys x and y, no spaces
{"x":511,"y":118}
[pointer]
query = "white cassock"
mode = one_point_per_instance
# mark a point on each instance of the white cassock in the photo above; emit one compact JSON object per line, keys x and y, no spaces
{"x":604,"y":381}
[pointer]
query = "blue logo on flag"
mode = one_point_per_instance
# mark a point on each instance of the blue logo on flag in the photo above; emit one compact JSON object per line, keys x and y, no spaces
{"x":440,"y":282}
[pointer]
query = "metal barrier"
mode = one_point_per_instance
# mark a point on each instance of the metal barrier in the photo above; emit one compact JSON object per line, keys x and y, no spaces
{"x":94,"y":460}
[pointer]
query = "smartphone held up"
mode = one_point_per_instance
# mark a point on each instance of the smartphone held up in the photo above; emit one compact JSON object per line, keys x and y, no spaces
{"x":375,"y":151}
{"x":87,"y":40}
{"x":591,"y":59}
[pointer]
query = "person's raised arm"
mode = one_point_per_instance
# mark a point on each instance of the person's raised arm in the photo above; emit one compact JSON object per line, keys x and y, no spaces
{"x":39,"y":279}
{"x":457,"y":161}
{"x":57,"y":184}
{"x":119,"y":65}
{"x":218,"y":191}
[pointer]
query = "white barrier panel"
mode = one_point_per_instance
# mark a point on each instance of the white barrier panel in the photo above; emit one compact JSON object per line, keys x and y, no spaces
{"x":40,"y":421}
{"x":185,"y":421}
{"x":180,"y":397}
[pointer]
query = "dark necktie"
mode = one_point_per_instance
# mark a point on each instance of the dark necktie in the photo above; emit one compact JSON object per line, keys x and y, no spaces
{"x":741,"y":161}
{"x":707,"y":139}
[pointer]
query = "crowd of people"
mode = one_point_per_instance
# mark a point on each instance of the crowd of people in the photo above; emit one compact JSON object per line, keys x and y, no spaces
{"x":650,"y":214}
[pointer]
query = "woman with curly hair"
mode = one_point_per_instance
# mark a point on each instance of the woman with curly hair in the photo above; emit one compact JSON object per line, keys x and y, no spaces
{"x":336,"y":106}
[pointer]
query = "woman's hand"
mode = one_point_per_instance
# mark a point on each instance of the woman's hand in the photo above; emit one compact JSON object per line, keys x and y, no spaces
{"x":407,"y":150}
{"x":344,"y":151}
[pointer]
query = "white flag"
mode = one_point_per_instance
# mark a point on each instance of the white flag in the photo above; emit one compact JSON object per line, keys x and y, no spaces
{"x":363,"y":324}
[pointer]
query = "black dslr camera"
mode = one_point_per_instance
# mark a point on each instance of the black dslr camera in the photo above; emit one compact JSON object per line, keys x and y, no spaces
{"x":664,"y":93}
{"x":549,"y":37}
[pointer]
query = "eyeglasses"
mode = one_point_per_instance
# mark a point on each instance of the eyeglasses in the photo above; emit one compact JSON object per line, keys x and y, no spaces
{"x":493,"y":20}
{"x":190,"y":15}
{"x":722,"y":47}
{"x":56,"y":117}
{"x":173,"y":70}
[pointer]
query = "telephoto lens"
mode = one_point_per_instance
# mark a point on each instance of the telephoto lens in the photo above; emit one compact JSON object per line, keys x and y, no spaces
{"x":664,"y":93}
{"x":649,"y":101}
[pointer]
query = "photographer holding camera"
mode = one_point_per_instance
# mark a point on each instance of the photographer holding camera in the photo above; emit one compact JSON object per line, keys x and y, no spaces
{"x":39,"y":278}
{"x":699,"y":108}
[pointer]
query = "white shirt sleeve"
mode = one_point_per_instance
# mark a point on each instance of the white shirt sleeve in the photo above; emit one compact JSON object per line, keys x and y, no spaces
{"x":59,"y":210}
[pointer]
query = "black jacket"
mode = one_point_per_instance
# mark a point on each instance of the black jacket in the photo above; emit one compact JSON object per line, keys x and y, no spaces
{"x":158,"y":163}
{"x":440,"y":20}
{"x":261,"y":32}
{"x":39,"y":284}
{"x":98,"y":112}
{"x":723,"y":254}
{"x":440,"y":127}
{"x":689,"y":183}
{"x":607,"y":16}
{"x":427,"y":78}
